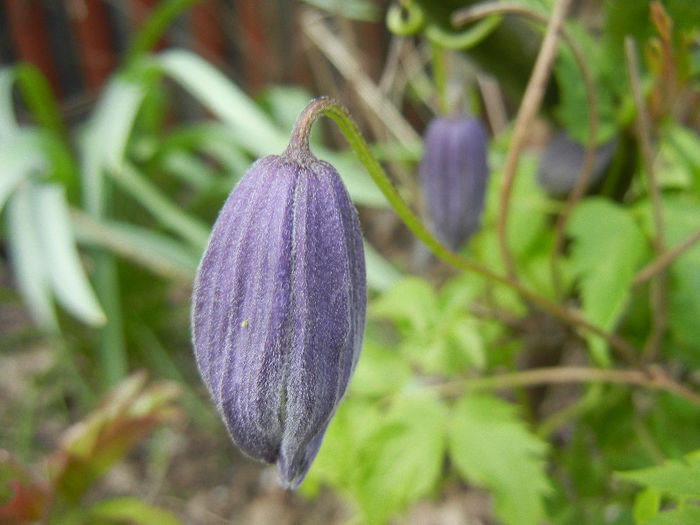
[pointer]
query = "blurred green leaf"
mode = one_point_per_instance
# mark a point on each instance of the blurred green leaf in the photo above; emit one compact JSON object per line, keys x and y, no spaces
{"x":253,"y":129}
{"x":646,"y":504}
{"x":8,"y":120}
{"x":251,"y":126}
{"x":106,"y":136}
{"x":380,"y":371}
{"x":412,"y":302}
{"x":128,"y":511}
{"x":680,"y":479}
{"x":38,"y":97}
{"x":402,"y":459}
{"x":64,"y":270}
{"x":158,"y":21}
{"x":21,"y":155}
{"x":28,"y":257}
{"x":337,"y":461}
{"x":135,"y":183}
{"x":158,"y":253}
{"x":381,"y":274}
{"x":678,"y":162}
{"x":607,"y":249}
{"x":491,"y":447}
{"x":362,"y":10}
{"x":572,"y":111}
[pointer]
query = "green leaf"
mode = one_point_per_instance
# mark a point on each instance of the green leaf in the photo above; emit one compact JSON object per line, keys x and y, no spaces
{"x":492,"y":448}
{"x":681,"y":215}
{"x":8,"y":120}
{"x":162,"y":16}
{"x":402,"y":460}
{"x":572,"y":111}
{"x":380,"y":371}
{"x":411,"y":301}
{"x":38,"y":97}
{"x":680,"y":479}
{"x":131,"y":511}
{"x":106,"y":136}
{"x":21,"y":154}
{"x":646,"y":504}
{"x":131,"y":180}
{"x":154,"y":251}
{"x":252,"y":128}
{"x":608,"y":247}
{"x":381,"y":274}
{"x":27,"y":256}
{"x":337,"y":460}
{"x":63,"y":267}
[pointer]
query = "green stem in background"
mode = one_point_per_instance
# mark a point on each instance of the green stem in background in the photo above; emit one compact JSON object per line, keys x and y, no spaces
{"x":158,"y":21}
{"x":437,"y":60}
{"x":464,"y":39}
{"x":112,"y":349}
{"x":324,"y":106}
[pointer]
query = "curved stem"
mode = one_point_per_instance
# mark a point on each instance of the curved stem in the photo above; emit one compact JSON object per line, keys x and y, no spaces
{"x":340,"y":115}
{"x":466,"y":39}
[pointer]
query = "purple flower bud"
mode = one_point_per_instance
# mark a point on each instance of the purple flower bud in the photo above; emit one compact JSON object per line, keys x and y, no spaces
{"x":561,"y":162}
{"x":453,"y":175}
{"x":278,"y":308}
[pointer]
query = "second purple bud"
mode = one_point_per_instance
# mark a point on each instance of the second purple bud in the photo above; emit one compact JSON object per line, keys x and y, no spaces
{"x":453,"y":174}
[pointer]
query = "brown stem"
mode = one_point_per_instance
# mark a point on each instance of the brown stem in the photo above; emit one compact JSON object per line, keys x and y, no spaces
{"x":659,"y":264}
{"x":643,"y":128}
{"x":655,"y":379}
{"x":490,"y":8}
{"x":532,"y":99}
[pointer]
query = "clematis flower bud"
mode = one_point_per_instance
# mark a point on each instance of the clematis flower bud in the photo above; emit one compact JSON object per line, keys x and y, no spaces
{"x":278,"y":308}
{"x":561,"y":162}
{"x":453,"y":173}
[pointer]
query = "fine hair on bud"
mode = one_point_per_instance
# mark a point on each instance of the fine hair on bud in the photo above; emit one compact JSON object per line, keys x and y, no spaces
{"x":278,"y":308}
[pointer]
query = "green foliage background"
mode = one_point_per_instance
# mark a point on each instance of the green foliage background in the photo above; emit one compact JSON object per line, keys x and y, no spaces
{"x":104,"y":225}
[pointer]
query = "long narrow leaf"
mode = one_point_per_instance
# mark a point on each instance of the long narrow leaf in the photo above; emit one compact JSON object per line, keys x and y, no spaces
{"x":8,"y":121}
{"x":154,"y":251}
{"x":21,"y":154}
{"x":39,"y":98}
{"x":252,"y":128}
{"x":64,"y":270}
{"x":106,"y":137}
{"x":28,"y":258}
{"x":162,"y":208}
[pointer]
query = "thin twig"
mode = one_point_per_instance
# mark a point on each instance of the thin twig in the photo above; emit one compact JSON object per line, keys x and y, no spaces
{"x":490,"y":8}
{"x":532,"y":99}
{"x":643,"y":128}
{"x":661,"y":262}
{"x":654,"y":378}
